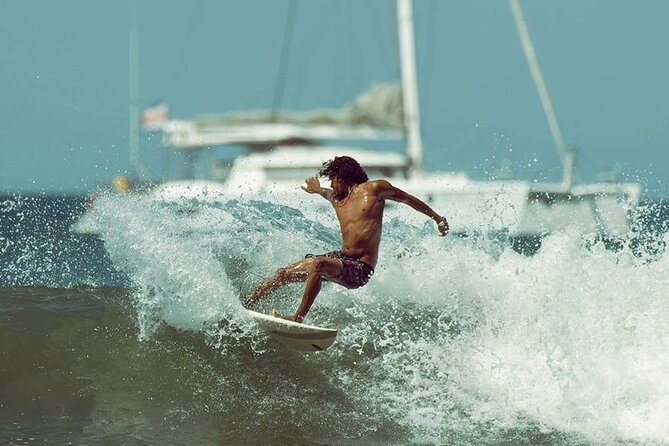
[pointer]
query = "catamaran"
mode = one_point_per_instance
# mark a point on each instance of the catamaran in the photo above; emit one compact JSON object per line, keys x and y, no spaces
{"x":283,"y":148}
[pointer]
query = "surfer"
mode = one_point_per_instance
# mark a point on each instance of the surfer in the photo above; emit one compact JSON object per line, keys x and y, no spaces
{"x":358,"y":204}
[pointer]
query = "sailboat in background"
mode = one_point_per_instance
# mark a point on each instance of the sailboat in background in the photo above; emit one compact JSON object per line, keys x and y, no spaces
{"x":283,"y":148}
{"x":602,"y":208}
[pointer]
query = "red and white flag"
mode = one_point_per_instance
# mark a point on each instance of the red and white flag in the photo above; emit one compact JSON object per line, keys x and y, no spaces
{"x":154,"y":116}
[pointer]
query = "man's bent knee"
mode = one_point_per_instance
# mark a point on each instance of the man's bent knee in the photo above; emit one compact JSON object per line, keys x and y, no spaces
{"x":324,"y":267}
{"x":288,"y":274}
{"x":318,"y":266}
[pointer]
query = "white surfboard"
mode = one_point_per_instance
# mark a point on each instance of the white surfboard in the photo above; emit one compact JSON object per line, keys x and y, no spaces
{"x":295,"y":335}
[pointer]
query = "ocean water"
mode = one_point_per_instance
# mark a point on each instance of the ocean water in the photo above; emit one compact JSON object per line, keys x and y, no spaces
{"x":137,"y":335}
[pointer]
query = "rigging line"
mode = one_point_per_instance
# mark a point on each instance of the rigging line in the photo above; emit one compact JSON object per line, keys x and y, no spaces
{"x":566,"y":156}
{"x":351,"y":49}
{"x":380,"y":31}
{"x":285,"y":55}
{"x":182,"y":60}
{"x":428,"y":56}
{"x":391,"y":17}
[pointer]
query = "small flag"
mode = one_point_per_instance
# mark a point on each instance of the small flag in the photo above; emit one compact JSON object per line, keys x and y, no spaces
{"x":154,"y":116}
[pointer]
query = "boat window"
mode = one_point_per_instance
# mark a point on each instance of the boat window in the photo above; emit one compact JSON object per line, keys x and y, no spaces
{"x":220,"y":169}
{"x":289,"y":173}
{"x":385,"y":172}
{"x":301,"y":173}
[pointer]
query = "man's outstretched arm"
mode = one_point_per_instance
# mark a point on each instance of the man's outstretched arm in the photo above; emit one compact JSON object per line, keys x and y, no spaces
{"x":389,"y":192}
{"x":313,"y":186}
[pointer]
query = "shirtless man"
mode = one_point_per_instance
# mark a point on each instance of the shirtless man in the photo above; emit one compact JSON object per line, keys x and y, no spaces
{"x":359,"y":204}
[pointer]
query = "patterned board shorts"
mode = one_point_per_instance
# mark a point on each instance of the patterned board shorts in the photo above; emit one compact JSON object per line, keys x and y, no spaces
{"x":354,"y":274}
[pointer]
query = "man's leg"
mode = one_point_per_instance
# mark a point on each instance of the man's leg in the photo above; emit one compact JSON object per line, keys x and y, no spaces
{"x":297,"y":272}
{"x":319,"y":267}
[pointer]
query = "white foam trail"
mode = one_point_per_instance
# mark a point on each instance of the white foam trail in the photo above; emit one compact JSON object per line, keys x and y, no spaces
{"x":572,"y":339}
{"x":450,"y":334}
{"x":177,"y":278}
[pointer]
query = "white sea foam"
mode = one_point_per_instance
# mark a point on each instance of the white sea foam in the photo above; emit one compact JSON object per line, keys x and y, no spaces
{"x":177,"y":279}
{"x":450,"y":334}
{"x":572,"y":340}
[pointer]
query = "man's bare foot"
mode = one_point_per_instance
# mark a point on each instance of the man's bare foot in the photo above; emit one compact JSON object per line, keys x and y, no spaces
{"x":275,"y":313}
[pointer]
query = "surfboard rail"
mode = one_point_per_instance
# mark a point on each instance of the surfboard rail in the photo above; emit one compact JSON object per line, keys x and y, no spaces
{"x":295,"y":335}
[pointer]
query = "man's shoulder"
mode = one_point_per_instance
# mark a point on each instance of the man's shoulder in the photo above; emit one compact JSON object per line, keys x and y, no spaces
{"x":378,"y":185}
{"x":381,"y":189}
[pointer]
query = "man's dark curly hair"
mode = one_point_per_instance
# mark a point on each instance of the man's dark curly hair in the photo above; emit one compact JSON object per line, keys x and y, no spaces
{"x":346,"y":169}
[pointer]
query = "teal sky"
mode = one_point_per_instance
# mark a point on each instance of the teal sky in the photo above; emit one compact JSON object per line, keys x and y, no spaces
{"x":64,"y":107}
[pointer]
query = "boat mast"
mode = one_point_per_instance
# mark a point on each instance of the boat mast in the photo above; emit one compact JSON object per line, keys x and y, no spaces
{"x":133,"y":92}
{"x":409,"y":84}
{"x":567,"y":156}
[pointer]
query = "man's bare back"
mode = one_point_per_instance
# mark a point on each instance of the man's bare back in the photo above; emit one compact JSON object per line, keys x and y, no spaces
{"x":359,"y":205}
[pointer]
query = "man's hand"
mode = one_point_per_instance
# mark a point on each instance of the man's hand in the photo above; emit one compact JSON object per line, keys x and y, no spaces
{"x":442,"y":226}
{"x":313,"y":186}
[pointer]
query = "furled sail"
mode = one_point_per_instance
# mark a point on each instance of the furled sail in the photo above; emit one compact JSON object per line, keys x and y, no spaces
{"x":375,"y":114}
